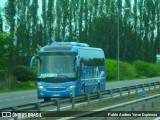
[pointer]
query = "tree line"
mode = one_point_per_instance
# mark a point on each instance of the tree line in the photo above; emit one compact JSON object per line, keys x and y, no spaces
{"x":91,"y":21}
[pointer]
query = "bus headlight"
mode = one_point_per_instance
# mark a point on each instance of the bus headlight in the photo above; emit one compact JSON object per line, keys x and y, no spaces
{"x":41,"y":87}
{"x":71,"y":87}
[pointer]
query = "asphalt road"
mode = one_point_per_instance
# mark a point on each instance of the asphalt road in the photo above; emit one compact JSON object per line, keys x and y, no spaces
{"x":23,"y":97}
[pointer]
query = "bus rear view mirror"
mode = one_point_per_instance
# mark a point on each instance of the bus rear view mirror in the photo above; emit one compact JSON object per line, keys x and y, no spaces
{"x":32,"y":61}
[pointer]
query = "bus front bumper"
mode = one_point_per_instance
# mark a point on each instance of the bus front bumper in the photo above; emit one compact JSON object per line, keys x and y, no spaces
{"x":55,"y":94}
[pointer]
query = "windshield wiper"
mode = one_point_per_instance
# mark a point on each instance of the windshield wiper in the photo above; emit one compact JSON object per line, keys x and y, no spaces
{"x":63,"y":76}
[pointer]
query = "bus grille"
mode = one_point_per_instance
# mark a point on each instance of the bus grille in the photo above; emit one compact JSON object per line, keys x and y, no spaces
{"x":56,"y":88}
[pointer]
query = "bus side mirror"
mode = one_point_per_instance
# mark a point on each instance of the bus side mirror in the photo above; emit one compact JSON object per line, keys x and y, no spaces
{"x":32,"y":61}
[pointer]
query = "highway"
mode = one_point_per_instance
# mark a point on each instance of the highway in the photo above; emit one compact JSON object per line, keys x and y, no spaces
{"x":23,"y":97}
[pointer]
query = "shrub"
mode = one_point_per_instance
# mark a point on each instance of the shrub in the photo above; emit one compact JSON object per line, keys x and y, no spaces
{"x":146,"y":69}
{"x":154,"y":70}
{"x":127,"y":71}
{"x":29,"y":85}
{"x":7,"y":80}
{"x":24,"y":73}
{"x":111,"y":69}
{"x":4,"y":72}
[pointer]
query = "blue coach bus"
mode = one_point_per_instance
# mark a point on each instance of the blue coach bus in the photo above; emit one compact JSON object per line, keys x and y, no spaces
{"x":69,"y":69}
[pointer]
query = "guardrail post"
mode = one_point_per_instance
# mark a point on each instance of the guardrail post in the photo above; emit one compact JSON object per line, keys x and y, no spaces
{"x":14,"y":109}
{"x":88,"y":98}
{"x":136,"y":90}
{"x":143,"y":107}
{"x":38,"y":107}
{"x":73,"y":93}
{"x":73,"y":99}
{"x":73,"y":103}
{"x":152,"y":104}
{"x":149,"y":86}
{"x":58,"y":105}
{"x":143,"y":86}
{"x":129,"y":92}
{"x":120,"y":90}
{"x":154,"y":86}
{"x":100,"y":96}
{"x":111,"y":94}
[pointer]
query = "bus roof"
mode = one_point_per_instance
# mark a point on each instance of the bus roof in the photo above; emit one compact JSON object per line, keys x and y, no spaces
{"x":66,"y":47}
{"x":70,"y":43}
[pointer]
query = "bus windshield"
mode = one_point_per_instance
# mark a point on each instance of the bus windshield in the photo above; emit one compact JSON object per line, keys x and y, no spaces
{"x":56,"y":66}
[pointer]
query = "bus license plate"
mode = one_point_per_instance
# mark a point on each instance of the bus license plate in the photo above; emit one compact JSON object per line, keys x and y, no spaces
{"x":55,"y":94}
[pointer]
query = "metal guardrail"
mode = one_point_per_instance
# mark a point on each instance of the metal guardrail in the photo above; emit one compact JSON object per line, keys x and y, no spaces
{"x":37,"y":106}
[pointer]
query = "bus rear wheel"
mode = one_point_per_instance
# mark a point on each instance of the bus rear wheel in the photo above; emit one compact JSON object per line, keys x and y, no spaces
{"x":47,"y":99}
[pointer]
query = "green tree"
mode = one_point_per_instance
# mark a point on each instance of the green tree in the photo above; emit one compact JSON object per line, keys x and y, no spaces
{"x":152,"y":28}
{"x":86,"y":21}
{"x":157,"y":42}
{"x":101,"y":8}
{"x":70,"y":16}
{"x":65,"y":11}
{"x":6,"y":47}
{"x":44,"y":22}
{"x":40,"y":35}
{"x":108,"y":4}
{"x":28,"y":30}
{"x":21,"y":39}
{"x":141,"y":30}
{"x":1,"y":21}
{"x":90,"y":21}
{"x":80,"y":19}
{"x":59,"y":20}
{"x":34,"y":24}
{"x":90,"y":18}
{"x":10,"y":13}
{"x":127,"y":41}
{"x":50,"y":20}
{"x":75,"y":19}
{"x":96,"y":4}
{"x":138,"y":43}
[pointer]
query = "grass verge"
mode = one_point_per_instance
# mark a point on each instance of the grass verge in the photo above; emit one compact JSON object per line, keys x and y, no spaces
{"x":21,"y":86}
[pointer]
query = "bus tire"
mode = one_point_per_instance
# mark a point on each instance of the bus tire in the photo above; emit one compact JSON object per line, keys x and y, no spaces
{"x":83,"y":90}
{"x":47,"y":99}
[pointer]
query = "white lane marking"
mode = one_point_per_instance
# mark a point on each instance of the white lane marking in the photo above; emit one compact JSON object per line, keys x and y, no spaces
{"x":16,"y":97}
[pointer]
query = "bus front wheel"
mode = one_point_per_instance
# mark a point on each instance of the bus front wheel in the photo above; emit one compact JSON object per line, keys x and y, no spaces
{"x":47,"y":99}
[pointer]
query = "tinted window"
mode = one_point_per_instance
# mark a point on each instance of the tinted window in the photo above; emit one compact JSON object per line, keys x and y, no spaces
{"x":92,"y":57}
